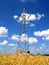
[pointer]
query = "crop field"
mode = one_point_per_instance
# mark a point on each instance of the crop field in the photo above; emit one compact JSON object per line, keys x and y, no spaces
{"x":23,"y":59}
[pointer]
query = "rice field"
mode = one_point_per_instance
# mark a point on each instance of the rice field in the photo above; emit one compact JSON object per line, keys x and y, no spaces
{"x":23,"y":59}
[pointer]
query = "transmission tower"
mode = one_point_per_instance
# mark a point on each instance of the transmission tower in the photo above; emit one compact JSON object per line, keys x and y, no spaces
{"x":23,"y":31}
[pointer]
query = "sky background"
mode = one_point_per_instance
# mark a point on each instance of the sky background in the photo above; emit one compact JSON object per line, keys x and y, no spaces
{"x":37,"y":31}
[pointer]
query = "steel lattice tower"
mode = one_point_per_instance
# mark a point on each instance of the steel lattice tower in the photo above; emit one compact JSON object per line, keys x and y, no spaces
{"x":23,"y":30}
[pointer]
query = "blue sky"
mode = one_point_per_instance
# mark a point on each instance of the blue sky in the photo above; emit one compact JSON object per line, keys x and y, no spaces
{"x":37,"y":31}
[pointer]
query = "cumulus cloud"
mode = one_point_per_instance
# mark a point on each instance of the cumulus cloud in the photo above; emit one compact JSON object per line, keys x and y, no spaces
{"x":15,"y":16}
{"x":33,"y":50}
{"x":3,"y":31}
{"x":32,"y":40}
{"x":12,"y":44}
{"x":24,"y":38}
{"x":15,"y":37}
{"x":4,"y":42}
{"x":43,"y":48}
{"x":39,"y":16}
{"x":28,"y":17}
{"x":43,"y":45}
{"x":47,"y":38}
{"x":44,"y":33}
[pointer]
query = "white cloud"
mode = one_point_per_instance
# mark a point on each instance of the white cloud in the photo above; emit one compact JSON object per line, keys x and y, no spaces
{"x":47,"y":38}
{"x":40,"y":48}
{"x":43,"y":48}
{"x":28,"y":17}
{"x":24,"y":38}
{"x":32,"y":17}
{"x":3,"y":31}
{"x":32,"y":40}
{"x":15,"y":37}
{"x":4,"y":42}
{"x":39,"y":16}
{"x":44,"y":33}
{"x":12,"y":44}
{"x":15,"y":17}
{"x":44,"y":45}
{"x":32,"y":24}
{"x":43,"y":38}
{"x":35,"y":50}
{"x":42,"y":51}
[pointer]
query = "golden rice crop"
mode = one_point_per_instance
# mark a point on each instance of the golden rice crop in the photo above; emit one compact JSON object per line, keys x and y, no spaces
{"x":23,"y":59}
